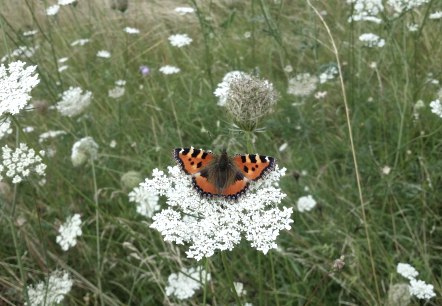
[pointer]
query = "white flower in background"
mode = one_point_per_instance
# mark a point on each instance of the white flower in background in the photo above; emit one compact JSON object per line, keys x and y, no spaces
{"x":30,"y":33}
{"x":306,"y":203}
{"x":16,"y":83}
{"x":21,"y":51}
{"x":399,"y":295}
{"x":329,"y":74}
{"x":21,"y":162}
{"x":28,"y":129}
{"x":183,"y":284}
{"x":116,"y":92}
{"x":183,"y":10}
{"x":320,"y":95}
{"x":104,"y":54}
{"x":302,"y":85}
{"x":113,"y":144}
{"x":63,"y":68}
{"x":372,"y":40}
{"x":69,"y":231}
{"x":406,"y":270}
{"x":120,"y":82}
{"x":130,"y":30}
{"x":421,"y":290}
{"x":50,"y":134}
{"x":208,"y":225}
{"x":436,"y":107}
{"x":66,"y":2}
{"x":73,"y":101}
{"x":180,"y":40}
{"x":386,"y":170}
{"x":147,"y":203}
{"x":52,"y":291}
{"x":366,"y":10}
{"x":288,"y":69}
{"x":63,"y":60}
{"x":283,"y":147}
{"x":401,"y":6}
{"x":169,"y":69}
{"x":413,"y":27}
{"x":239,"y":288}
{"x":5,"y":127}
{"x":80,"y":42}
{"x":52,"y":10}
{"x":222,"y":89}
{"x":436,"y":15}
{"x":83,"y":150}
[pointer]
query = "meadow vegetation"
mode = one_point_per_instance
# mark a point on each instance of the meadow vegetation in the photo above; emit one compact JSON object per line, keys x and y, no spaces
{"x":352,"y":125}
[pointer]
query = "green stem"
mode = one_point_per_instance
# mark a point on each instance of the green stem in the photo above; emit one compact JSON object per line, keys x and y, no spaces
{"x":274,"y":278}
{"x":206,"y":269}
{"x":228,"y":270}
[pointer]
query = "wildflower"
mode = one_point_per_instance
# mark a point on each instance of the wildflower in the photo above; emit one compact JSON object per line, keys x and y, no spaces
{"x":288,"y":69}
{"x":247,"y":35}
{"x":366,"y":10}
{"x":183,"y":10}
{"x":69,"y":232}
{"x":130,"y":180}
{"x":399,"y":295}
{"x":16,"y":83}
{"x":283,"y":147}
{"x":63,"y":60}
{"x":249,"y":99}
{"x":66,"y":2}
{"x":169,"y":69}
{"x":21,"y":162}
{"x":5,"y":127}
{"x":180,"y":40}
{"x":328,"y":74}
{"x":436,"y":15}
{"x":401,"y":6}
{"x":113,"y":144}
{"x":51,"y":292}
{"x":320,"y":95}
{"x":30,"y":33}
{"x":208,"y":225}
{"x":372,"y":40}
{"x":147,"y":202}
{"x":104,"y":54}
{"x":239,"y":288}
{"x":413,"y":27}
{"x":130,"y":30}
{"x":421,"y":290}
{"x":50,"y":134}
{"x":80,"y":42}
{"x":302,"y":85}
{"x":339,"y":263}
{"x":116,"y":92}
{"x":83,"y":150}
{"x":436,"y":107}
{"x":73,"y":101}
{"x":222,"y":89}
{"x":63,"y":68}
{"x":406,"y":270}
{"x":120,"y":5}
{"x":306,"y":203}
{"x":21,"y":51}
{"x":183,"y":284}
{"x":386,"y":170}
{"x":52,"y":10}
{"x":144,"y":70}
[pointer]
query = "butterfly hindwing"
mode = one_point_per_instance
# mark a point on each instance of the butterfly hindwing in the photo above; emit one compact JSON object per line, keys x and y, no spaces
{"x":192,"y":160}
{"x":254,"y":166}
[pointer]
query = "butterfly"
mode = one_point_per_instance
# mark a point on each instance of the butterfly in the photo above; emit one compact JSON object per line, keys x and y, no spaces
{"x":222,"y":175}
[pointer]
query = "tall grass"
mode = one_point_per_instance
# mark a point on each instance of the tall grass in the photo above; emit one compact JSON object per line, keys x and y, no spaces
{"x":340,"y":145}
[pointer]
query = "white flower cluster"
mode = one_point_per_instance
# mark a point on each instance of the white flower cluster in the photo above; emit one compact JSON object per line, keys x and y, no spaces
{"x":103,"y":54}
{"x":21,"y":51}
{"x":183,"y":10}
{"x":147,"y":203}
{"x":418,"y":288}
{"x":401,"y":6}
{"x":306,"y":203}
{"x":167,"y":69}
{"x":16,"y":83}
{"x":118,"y":90}
{"x":372,"y":40}
{"x":223,"y":88}
{"x":50,"y":134}
{"x":183,"y":284}
{"x":130,"y":30}
{"x":366,"y":10}
{"x":329,"y":74}
{"x":69,"y":231}
{"x":80,"y":42}
{"x":21,"y":162}
{"x":302,"y":85}
{"x":208,"y":225}
{"x":5,"y":127}
{"x":84,"y":149}
{"x":180,"y":40}
{"x":73,"y":101}
{"x":436,"y":107}
{"x":51,"y":292}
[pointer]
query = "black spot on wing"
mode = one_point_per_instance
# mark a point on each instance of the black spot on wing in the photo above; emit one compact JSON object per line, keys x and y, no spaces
{"x":252,"y":158}
{"x":204,"y":155}
{"x":196,"y":152}
{"x":185,"y":151}
{"x":204,"y":173}
{"x":262,"y":158}
{"x":239,"y":176}
{"x":246,"y":169}
{"x":243,"y":158}
{"x":199,"y":165}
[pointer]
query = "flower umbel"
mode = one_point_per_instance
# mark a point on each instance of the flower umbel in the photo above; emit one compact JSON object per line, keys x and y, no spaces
{"x":69,"y":232}
{"x":183,"y":284}
{"x":208,"y":225}
{"x":51,"y":292}
{"x":83,"y":150}
{"x":73,"y":101}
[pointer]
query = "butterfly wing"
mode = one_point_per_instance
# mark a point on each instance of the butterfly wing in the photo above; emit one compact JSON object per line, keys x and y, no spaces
{"x":192,"y":160}
{"x":254,"y":166}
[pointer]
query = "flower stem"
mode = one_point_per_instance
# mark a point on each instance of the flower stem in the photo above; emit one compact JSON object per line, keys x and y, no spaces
{"x":228,"y":270}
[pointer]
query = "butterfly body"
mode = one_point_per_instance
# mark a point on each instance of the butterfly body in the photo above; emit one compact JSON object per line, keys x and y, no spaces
{"x":221,"y":175}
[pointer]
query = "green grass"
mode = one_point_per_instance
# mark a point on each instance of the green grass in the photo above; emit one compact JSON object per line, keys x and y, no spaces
{"x":399,"y":219}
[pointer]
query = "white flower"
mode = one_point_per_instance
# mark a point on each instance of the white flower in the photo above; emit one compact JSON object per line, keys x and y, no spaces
{"x":283,"y":147}
{"x":180,"y":40}
{"x":104,"y":54}
{"x":30,"y":33}
{"x":63,"y":59}
{"x":16,"y":83}
{"x":421,"y":290}
{"x":183,"y":284}
{"x":52,"y":10}
{"x":113,"y":144}
{"x":413,"y":27}
{"x":51,"y":292}
{"x":169,"y":69}
{"x":436,"y":15}
{"x":436,"y":107}
{"x":372,"y":40}
{"x":320,"y":95}
{"x":63,"y":68}
{"x":239,"y":288}
{"x":73,"y":101}
{"x":81,"y":42}
{"x":406,"y":270}
{"x":21,"y":162}
{"x":386,"y":170}
{"x":328,"y":74}
{"x":222,"y":89}
{"x":288,"y":69}
{"x":5,"y":127}
{"x":84,"y":149}
{"x":116,"y":92}
{"x":21,"y":51}
{"x":130,"y":30}
{"x":305,"y":203}
{"x":50,"y":134}
{"x":208,"y":225}
{"x":147,"y":202}
{"x":183,"y":10}
{"x":302,"y":85}
{"x":66,"y":2}
{"x":69,"y":232}
{"x":366,"y":10}
{"x":120,"y":82}
{"x":401,"y":6}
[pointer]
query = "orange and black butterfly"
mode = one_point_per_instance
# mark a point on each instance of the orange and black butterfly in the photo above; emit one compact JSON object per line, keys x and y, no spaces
{"x":221,"y":175}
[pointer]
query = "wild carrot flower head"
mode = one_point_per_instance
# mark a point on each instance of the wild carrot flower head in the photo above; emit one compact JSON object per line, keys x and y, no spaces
{"x":436,"y":107}
{"x":208,"y":225}
{"x":167,"y":69}
{"x":305,"y":203}
{"x":52,"y":291}
{"x":222,"y":90}
{"x":417,"y":288}
{"x":83,"y":150}
{"x":74,"y":101}
{"x":69,"y":231}
{"x":302,"y":85}
{"x":180,"y":40}
{"x":183,"y":284}
{"x":16,"y":83}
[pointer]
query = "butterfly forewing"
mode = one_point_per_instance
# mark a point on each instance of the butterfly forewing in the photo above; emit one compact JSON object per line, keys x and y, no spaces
{"x":254,"y":166}
{"x":192,"y":160}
